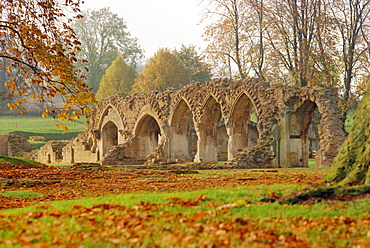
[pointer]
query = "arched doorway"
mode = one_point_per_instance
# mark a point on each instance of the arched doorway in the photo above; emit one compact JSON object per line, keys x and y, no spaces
{"x":212,"y":135}
{"x":109,"y":136}
{"x":183,"y":136}
{"x":242,"y":126}
{"x":299,"y":133}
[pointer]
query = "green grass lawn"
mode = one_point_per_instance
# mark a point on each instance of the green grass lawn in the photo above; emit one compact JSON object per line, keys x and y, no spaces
{"x":228,"y":216}
{"x":26,"y":126}
{"x":20,"y":194}
{"x":204,"y":218}
{"x":5,"y":160}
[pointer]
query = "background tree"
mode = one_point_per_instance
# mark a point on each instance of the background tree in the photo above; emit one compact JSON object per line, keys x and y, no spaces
{"x":293,"y":33}
{"x":103,"y":36}
{"x":228,"y":37}
{"x":351,"y":20}
{"x":4,"y":91}
{"x":37,"y":40}
{"x":296,"y":42}
{"x":198,"y":69}
{"x":163,"y":70}
{"x":118,"y":78}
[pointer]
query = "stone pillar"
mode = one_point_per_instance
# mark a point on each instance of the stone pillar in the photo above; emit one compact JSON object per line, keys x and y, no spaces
{"x":238,"y":138}
{"x":180,"y":147}
{"x":290,"y":144}
{"x":207,"y":146}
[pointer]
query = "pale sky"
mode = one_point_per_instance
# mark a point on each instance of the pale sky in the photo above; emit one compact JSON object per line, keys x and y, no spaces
{"x":158,"y":23}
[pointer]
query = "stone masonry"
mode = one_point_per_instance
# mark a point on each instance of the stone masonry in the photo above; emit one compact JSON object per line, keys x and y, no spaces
{"x":249,"y":123}
{"x":14,"y":145}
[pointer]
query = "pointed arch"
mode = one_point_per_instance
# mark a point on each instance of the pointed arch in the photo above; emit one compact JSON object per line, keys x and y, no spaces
{"x":109,"y":136}
{"x":242,"y":130}
{"x":148,"y":135}
{"x":183,"y":136}
{"x":110,"y":124}
{"x":212,"y":135}
{"x":294,"y":150}
{"x":110,"y":113}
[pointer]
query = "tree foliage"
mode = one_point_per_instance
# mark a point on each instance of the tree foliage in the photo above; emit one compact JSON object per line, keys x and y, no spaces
{"x":118,"y":78}
{"x":229,"y":44}
{"x":163,"y":70}
{"x":199,"y":70}
{"x":352,"y":24}
{"x":38,"y":43}
{"x":103,"y":36}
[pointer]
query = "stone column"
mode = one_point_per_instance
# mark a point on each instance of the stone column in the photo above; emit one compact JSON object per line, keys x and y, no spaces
{"x":207,"y":145}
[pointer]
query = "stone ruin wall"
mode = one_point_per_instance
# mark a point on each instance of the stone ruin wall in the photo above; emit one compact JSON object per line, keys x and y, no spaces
{"x":52,"y":152}
{"x":119,"y":125}
{"x":14,"y":146}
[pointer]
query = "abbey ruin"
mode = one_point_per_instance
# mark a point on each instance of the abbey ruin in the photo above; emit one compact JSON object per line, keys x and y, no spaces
{"x":248,"y":123}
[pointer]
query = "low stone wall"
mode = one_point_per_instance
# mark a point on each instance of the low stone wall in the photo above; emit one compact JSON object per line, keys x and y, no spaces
{"x":52,"y":151}
{"x":37,"y":138}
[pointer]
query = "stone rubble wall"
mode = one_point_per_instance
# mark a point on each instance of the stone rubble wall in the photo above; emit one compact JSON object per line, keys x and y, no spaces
{"x":331,"y":132}
{"x":37,"y":138}
{"x":14,"y":146}
{"x":52,"y":151}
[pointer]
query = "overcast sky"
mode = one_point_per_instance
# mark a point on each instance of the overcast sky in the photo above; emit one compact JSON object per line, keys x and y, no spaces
{"x":158,"y":23}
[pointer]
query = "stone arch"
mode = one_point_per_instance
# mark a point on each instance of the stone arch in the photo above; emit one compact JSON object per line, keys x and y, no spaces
{"x":212,"y":105}
{"x":183,"y":137}
{"x":297,"y":120}
{"x":299,"y":123}
{"x":147,"y":136}
{"x":218,"y":90}
{"x":253,"y":97}
{"x":109,"y":130}
{"x":109,"y":137}
{"x":110,"y":113}
{"x":242,"y":130}
{"x":191,"y":94}
{"x":212,"y":134}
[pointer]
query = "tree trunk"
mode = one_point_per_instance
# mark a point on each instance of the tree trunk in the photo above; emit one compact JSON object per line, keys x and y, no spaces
{"x":351,"y":166}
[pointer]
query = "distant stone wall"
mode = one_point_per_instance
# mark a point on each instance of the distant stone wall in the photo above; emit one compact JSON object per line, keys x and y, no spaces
{"x":14,"y":145}
{"x":211,"y":123}
{"x":37,"y":138}
{"x":52,"y":151}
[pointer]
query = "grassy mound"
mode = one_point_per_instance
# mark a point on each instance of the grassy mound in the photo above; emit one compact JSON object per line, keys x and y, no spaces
{"x":4,"y":160}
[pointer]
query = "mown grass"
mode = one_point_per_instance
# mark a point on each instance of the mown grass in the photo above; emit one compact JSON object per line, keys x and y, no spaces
{"x":21,"y":194}
{"x":147,"y":217}
{"x":5,"y":160}
{"x":26,"y":126}
{"x":37,"y":144}
{"x":248,"y":199}
{"x":157,"y":213}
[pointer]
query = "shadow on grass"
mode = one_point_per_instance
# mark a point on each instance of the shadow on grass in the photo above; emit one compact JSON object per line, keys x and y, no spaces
{"x":63,"y":135}
{"x":345,"y":193}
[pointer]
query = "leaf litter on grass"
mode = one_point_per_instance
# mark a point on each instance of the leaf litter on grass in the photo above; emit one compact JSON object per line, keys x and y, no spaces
{"x":150,"y":225}
{"x":200,"y":221}
{"x":67,"y":183}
